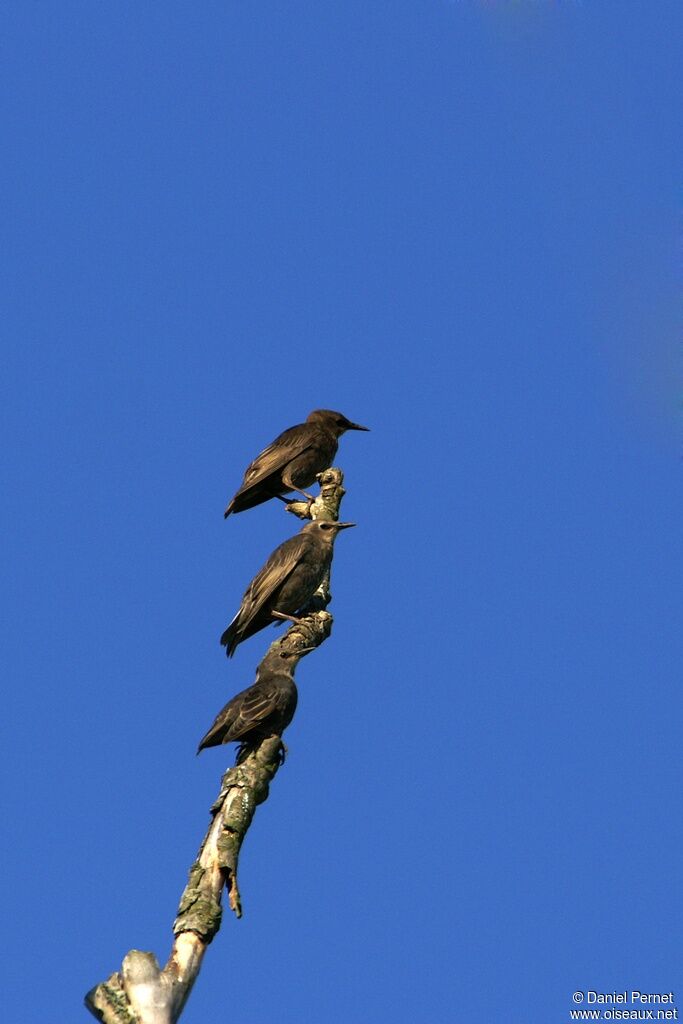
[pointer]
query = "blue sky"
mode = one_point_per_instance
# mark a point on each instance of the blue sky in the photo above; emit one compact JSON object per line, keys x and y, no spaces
{"x":459,"y":224}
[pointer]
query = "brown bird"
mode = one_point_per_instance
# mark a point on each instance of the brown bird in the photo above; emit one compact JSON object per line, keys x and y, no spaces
{"x":264,"y":709}
{"x":286,"y":582}
{"x":293,"y":460}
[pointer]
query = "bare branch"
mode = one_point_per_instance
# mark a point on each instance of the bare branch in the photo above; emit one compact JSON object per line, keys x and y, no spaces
{"x":142,"y":992}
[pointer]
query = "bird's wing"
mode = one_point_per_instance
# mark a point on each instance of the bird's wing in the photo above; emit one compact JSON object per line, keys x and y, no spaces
{"x":256,"y":704}
{"x":274,"y":573}
{"x":221,"y":727}
{"x":284,"y":448}
{"x":246,"y":710}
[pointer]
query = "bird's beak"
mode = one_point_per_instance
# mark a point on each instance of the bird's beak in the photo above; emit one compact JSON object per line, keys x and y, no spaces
{"x":344,"y":526}
{"x":355,"y":426}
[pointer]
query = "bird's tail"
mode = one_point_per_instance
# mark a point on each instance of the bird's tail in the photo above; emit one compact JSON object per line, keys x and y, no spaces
{"x":208,"y":741}
{"x":230,"y":640}
{"x":250,"y":497}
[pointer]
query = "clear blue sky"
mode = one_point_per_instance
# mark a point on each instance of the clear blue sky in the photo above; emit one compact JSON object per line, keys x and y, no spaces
{"x":457,"y":223}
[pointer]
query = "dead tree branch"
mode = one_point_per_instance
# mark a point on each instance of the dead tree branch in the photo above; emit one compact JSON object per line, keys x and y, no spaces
{"x":142,"y":992}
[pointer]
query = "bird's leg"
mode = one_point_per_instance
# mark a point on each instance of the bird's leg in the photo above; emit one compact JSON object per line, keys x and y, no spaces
{"x":286,"y":618}
{"x":243,"y":749}
{"x":287,"y":481}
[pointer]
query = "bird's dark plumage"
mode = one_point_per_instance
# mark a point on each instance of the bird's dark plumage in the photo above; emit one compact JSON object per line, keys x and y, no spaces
{"x":286,"y":582}
{"x":264,"y":709}
{"x":293,"y":460}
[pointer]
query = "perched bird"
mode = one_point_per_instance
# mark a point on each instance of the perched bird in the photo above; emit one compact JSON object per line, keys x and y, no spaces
{"x":293,"y":460}
{"x":264,"y":709}
{"x":286,"y":582}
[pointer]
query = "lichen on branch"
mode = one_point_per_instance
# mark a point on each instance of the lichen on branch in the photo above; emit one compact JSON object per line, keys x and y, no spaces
{"x":142,"y":992}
